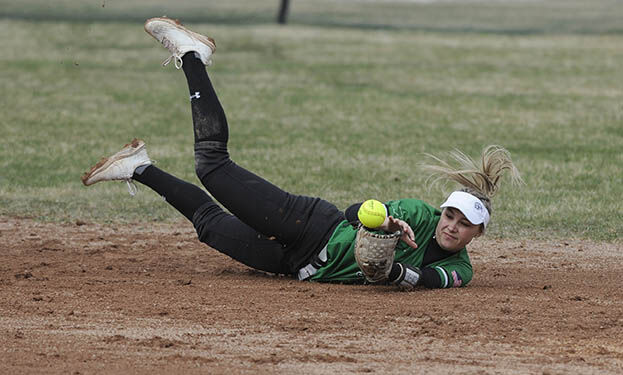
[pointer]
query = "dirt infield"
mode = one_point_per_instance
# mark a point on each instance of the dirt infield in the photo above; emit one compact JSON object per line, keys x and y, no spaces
{"x":86,"y":298}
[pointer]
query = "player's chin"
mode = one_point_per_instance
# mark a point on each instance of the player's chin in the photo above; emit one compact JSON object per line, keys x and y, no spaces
{"x":450,"y":244}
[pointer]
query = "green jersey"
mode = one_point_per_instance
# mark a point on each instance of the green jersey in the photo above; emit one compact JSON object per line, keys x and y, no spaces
{"x":455,"y":270}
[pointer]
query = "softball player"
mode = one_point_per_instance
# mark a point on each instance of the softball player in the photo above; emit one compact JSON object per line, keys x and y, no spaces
{"x":274,"y":231}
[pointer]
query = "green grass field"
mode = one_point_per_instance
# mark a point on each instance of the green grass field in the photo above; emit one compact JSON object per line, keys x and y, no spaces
{"x":341,"y":103}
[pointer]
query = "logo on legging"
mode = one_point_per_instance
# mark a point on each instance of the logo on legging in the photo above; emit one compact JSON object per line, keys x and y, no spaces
{"x":196,"y":95}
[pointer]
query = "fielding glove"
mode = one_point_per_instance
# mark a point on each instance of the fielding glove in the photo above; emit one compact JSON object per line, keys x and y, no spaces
{"x":374,"y":253}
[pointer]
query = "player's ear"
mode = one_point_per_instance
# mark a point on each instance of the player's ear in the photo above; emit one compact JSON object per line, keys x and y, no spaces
{"x":482,"y":230}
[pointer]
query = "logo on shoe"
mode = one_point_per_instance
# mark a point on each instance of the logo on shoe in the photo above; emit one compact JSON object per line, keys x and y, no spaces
{"x":196,"y":95}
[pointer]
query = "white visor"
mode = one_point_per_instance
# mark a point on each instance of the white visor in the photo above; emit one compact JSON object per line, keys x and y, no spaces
{"x":472,"y":207}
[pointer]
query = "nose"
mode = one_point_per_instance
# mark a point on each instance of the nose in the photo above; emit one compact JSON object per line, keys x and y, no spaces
{"x":452,"y":225}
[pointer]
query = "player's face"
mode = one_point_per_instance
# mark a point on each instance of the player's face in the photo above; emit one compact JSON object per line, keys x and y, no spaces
{"x":454,"y":231}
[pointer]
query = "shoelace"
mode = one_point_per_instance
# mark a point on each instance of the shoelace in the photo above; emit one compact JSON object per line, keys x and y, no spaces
{"x":132,"y":188}
{"x":176,"y":57}
{"x":178,"y":61}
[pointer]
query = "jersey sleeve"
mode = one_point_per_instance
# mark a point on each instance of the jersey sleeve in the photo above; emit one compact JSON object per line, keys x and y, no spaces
{"x":452,"y":272}
{"x":431,"y":278}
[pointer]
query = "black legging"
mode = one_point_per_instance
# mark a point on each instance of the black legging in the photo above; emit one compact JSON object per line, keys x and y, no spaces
{"x":268,"y":229}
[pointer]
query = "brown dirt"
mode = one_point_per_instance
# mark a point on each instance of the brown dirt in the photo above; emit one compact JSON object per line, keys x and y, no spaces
{"x":89,"y":298}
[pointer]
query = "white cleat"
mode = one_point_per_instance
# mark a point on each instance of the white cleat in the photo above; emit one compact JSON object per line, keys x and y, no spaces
{"x":179,"y":40}
{"x":119,"y":166}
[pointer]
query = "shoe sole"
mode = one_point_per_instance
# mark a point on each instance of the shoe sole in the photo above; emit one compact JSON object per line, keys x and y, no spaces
{"x":129,"y":149}
{"x":178,"y":25}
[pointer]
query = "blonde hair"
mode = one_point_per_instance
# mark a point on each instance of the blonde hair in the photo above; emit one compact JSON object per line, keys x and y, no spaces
{"x":482,"y":179}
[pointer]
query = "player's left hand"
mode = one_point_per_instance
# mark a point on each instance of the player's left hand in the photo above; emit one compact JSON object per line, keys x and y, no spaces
{"x":392,"y":225}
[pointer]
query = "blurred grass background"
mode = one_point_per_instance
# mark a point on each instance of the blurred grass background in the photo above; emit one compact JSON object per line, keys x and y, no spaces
{"x":340,"y":103}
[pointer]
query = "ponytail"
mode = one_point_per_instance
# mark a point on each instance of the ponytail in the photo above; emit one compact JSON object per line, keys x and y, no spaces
{"x":479,"y":179}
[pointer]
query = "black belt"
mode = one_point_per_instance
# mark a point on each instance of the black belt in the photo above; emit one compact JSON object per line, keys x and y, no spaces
{"x":318,"y":261}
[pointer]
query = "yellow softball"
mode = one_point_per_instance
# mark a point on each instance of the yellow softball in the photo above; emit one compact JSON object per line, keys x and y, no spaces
{"x":372,"y":213}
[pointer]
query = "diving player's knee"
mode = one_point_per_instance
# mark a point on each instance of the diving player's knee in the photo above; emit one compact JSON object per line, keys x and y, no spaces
{"x":209,"y":156}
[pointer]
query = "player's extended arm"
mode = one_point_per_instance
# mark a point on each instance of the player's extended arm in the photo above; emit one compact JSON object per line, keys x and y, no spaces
{"x":390,"y":225}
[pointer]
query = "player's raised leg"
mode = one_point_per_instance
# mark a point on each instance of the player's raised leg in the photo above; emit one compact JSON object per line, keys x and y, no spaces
{"x":252,"y":199}
{"x":192,"y":52}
